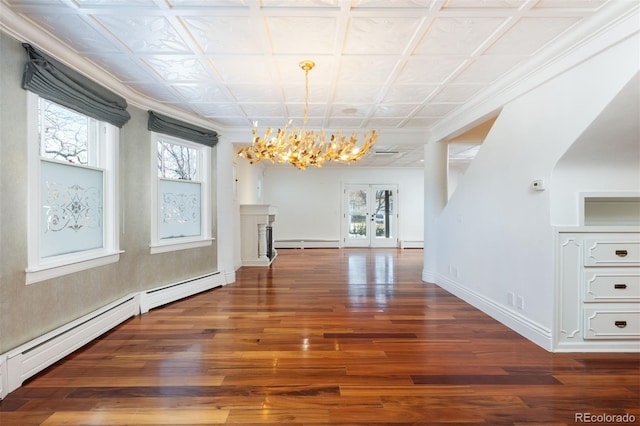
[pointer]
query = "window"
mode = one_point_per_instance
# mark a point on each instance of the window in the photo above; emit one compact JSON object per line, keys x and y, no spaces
{"x":181,"y":201}
{"x":72,"y":191}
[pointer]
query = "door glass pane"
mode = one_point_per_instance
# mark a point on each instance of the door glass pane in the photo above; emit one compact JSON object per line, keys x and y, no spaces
{"x":383,"y":213}
{"x":357,"y":199}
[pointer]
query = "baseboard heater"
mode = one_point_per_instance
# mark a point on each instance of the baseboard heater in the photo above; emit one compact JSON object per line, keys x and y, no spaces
{"x":32,"y":357}
{"x":407,"y":244}
{"x":302,"y":244}
{"x":170,"y":293}
{"x":38,"y":354}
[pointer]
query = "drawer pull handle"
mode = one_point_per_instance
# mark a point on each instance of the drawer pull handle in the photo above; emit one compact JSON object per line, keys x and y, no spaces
{"x":621,"y":324}
{"x":621,"y":253}
{"x":620,"y":286}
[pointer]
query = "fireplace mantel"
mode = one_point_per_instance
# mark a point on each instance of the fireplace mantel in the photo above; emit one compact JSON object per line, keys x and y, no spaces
{"x":256,"y":221}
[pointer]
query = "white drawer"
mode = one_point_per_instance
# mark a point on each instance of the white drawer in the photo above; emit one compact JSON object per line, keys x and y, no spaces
{"x":611,"y":324}
{"x":611,"y":285}
{"x":611,"y":253}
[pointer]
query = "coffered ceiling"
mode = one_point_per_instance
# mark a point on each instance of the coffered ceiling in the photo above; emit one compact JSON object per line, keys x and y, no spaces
{"x":383,"y":64}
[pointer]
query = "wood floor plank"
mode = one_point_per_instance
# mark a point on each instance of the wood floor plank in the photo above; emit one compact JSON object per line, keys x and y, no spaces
{"x":404,"y":415}
{"x":89,"y":380}
{"x":24,"y":418}
{"x":482,"y":379}
{"x":290,"y":416}
{"x":226,"y":402}
{"x":405,"y":390}
{"x":138,"y":417}
{"x":323,"y":336}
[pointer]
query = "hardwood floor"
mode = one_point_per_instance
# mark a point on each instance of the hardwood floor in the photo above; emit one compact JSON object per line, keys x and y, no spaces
{"x":330,"y":336}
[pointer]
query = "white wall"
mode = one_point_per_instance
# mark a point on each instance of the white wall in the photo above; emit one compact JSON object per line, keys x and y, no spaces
{"x":310,"y":202}
{"x":435,"y":198}
{"x":495,"y":235}
{"x":454,"y":174}
{"x":250,"y":181}
{"x":245,"y":188}
{"x":606,"y":157}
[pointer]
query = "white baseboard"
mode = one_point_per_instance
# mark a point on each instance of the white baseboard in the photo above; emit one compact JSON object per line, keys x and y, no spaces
{"x":34,"y":356}
{"x":229,"y":277}
{"x":522,"y":325}
{"x":614,"y":346}
{"x":302,"y":244}
{"x":428,"y":276}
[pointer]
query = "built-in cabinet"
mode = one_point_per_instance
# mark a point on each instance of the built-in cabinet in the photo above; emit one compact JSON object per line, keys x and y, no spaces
{"x":598,"y":282}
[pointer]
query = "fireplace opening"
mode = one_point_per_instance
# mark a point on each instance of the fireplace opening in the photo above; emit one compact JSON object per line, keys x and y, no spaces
{"x":269,"y":241}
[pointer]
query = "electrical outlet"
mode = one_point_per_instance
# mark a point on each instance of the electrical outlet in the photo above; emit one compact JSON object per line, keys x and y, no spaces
{"x":510,"y":299}
{"x":520,"y":302}
{"x":453,"y":271}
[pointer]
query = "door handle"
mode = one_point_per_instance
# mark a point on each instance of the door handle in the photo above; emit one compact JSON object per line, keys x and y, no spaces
{"x":621,"y":253}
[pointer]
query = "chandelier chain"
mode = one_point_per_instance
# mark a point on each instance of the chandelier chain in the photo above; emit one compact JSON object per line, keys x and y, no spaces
{"x":306,"y":98}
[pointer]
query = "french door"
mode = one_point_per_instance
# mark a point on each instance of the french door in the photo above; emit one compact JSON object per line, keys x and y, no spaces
{"x":370,"y":216}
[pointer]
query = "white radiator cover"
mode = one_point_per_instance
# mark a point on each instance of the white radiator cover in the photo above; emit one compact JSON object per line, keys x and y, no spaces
{"x":32,"y":357}
{"x":316,"y":243}
{"x":409,"y":244}
{"x":162,"y":295}
{"x":302,"y":244}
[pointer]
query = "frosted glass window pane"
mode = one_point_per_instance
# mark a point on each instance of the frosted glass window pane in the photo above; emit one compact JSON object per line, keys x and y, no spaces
{"x":179,"y":209}
{"x":72,"y":208}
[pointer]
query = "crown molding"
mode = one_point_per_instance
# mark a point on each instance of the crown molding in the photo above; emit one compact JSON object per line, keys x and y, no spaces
{"x":26,"y":31}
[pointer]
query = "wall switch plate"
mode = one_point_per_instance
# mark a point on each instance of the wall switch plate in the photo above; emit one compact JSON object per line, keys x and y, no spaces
{"x":538,"y":185}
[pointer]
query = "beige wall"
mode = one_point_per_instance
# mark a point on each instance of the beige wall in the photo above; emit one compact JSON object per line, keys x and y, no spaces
{"x":29,"y":311}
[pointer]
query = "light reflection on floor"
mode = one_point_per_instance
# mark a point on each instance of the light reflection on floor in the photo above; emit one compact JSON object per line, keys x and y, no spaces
{"x":361,"y":285}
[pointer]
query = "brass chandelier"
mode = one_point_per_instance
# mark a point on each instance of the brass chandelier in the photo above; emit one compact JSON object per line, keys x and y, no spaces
{"x":304,"y":148}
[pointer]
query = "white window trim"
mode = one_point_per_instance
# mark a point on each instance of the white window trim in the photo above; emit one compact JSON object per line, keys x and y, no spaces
{"x":204,"y":176}
{"x":45,"y":269}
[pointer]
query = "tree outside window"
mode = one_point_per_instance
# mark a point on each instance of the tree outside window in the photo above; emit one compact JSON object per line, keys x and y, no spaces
{"x":176,"y":161}
{"x":65,"y":135}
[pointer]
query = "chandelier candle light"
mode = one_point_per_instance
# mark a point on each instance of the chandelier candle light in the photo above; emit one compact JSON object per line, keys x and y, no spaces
{"x":304,"y":148}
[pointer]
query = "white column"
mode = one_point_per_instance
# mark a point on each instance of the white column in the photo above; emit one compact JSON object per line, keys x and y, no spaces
{"x":435,"y":198}
{"x":227,"y":229}
{"x":262,"y":241}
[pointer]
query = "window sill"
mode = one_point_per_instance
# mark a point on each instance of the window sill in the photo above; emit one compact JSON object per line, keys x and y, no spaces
{"x":184,"y":245}
{"x":44,"y":271}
